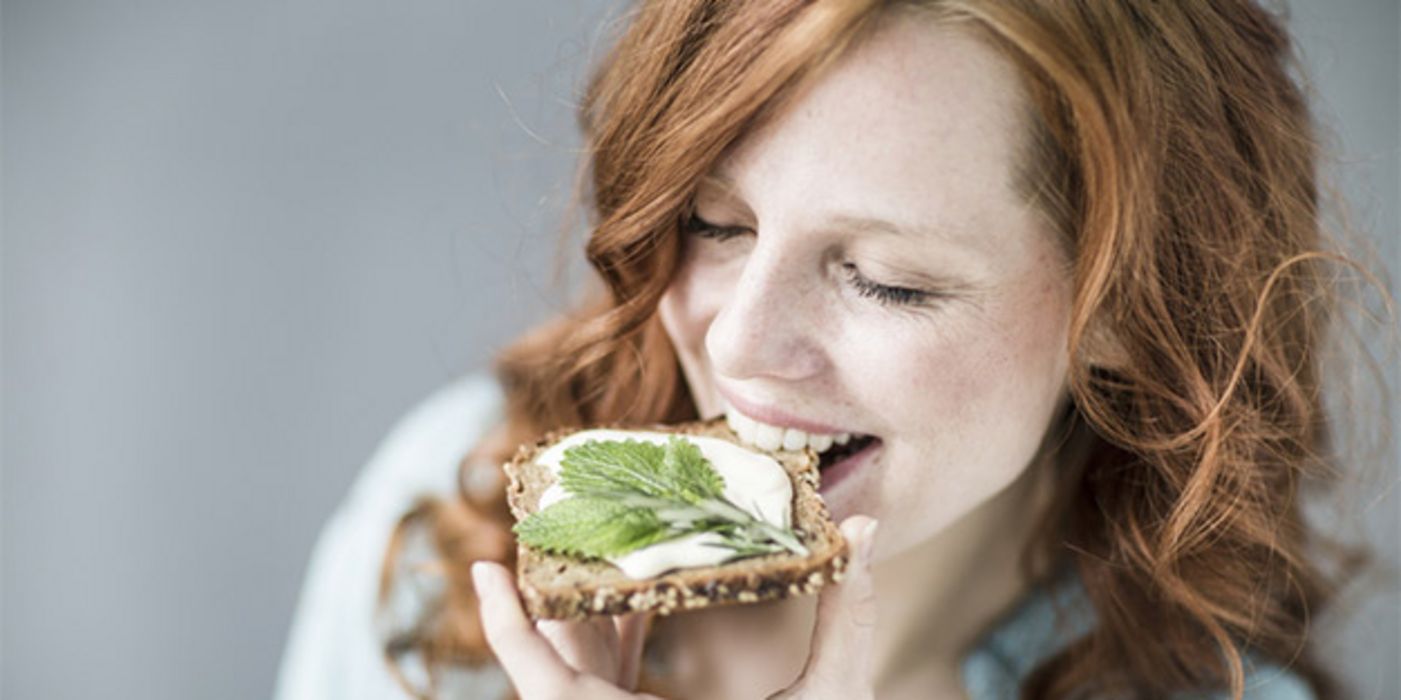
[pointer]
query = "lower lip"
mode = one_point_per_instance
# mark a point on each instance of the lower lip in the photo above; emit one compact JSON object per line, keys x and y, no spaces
{"x":839,"y":472}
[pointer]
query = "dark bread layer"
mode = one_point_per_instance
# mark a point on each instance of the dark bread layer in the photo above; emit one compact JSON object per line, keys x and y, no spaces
{"x":562,"y":587}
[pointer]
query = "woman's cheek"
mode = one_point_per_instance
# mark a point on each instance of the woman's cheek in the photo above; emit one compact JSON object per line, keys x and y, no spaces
{"x":687,"y":308}
{"x":691,"y":301}
{"x":925,"y":368}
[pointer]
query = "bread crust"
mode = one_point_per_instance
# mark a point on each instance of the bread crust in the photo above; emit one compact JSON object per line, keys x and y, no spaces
{"x":562,"y":587}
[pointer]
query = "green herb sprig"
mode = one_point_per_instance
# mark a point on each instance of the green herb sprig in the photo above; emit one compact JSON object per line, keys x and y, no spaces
{"x":628,"y":494}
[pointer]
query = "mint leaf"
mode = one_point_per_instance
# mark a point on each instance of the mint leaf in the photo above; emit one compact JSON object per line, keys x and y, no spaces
{"x":676,"y":471}
{"x":685,"y":465}
{"x":591,"y":527}
{"x":600,"y":468}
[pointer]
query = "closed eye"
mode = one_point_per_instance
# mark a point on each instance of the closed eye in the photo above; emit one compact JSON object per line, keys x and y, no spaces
{"x":886,"y":295}
{"x":700,"y":228}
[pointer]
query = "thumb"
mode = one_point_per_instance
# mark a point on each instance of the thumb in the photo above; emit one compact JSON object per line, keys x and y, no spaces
{"x":840,"y":663}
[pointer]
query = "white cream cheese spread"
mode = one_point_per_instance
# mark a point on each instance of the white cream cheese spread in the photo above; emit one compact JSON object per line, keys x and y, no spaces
{"x":754,"y":482}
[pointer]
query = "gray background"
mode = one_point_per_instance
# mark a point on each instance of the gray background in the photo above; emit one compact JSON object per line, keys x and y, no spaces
{"x":241,"y":238}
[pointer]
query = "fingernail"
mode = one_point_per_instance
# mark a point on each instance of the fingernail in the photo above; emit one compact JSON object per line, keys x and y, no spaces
{"x":868,"y":540}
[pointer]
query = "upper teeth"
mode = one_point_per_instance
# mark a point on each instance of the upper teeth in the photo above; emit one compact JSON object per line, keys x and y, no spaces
{"x":773,"y":437}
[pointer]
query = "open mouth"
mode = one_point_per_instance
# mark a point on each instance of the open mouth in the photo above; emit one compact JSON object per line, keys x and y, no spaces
{"x":837,"y":453}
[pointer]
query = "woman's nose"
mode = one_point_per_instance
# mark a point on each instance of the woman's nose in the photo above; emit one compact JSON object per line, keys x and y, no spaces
{"x":767,"y":326}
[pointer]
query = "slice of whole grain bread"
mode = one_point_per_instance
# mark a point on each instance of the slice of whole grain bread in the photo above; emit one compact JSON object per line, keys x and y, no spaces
{"x":563,"y":587}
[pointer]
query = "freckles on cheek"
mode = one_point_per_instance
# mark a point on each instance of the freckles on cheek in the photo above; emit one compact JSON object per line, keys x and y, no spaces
{"x":1039,"y":344}
{"x":995,"y":369}
{"x":939,"y":380}
{"x":965,"y":377}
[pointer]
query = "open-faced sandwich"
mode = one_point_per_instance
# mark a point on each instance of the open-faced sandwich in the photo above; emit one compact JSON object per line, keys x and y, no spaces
{"x":667,"y":518}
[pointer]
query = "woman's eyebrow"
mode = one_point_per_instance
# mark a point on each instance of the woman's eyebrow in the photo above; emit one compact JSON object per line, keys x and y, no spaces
{"x":853,"y":223}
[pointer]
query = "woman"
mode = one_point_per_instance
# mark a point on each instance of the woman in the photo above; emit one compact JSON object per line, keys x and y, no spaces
{"x":1061,"y":260}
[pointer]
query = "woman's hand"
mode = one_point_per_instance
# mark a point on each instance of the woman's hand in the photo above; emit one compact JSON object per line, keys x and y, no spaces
{"x":839,"y":662}
{"x":599,"y":658}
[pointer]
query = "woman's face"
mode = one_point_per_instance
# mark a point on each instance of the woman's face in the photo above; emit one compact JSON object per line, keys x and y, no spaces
{"x":941,"y":332}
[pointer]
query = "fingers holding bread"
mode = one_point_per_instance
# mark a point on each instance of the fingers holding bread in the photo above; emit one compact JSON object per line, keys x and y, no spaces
{"x":839,"y":662}
{"x":535,"y":669}
{"x":846,"y":613}
{"x":590,"y":646}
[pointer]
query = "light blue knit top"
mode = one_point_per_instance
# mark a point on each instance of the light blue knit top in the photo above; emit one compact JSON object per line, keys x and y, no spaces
{"x":1033,"y":631}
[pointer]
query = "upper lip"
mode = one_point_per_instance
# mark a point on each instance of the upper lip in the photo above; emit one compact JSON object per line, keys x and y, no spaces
{"x":773,"y":416}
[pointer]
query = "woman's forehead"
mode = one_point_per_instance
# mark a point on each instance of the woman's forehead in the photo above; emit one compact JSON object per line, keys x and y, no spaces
{"x":918,"y":126}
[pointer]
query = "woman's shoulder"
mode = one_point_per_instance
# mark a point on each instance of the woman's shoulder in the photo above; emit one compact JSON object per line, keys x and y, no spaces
{"x":1266,"y":681}
{"x":334,"y":648}
{"x":421,"y":451}
{"x":1054,"y":614}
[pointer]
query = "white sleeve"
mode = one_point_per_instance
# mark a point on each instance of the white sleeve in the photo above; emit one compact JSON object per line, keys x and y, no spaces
{"x":333,"y":649}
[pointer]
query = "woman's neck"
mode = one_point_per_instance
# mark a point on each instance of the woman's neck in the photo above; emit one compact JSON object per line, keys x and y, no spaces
{"x":937,"y":598}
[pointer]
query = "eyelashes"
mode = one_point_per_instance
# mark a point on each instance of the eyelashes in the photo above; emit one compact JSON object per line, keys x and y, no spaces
{"x":696,"y":226}
{"x":883,"y":294}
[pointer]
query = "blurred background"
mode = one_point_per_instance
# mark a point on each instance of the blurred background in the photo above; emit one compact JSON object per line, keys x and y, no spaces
{"x":240,"y":239}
